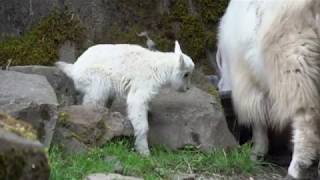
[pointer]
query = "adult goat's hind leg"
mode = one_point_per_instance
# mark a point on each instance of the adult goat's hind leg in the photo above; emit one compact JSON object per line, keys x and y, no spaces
{"x":295,"y":90}
{"x":250,"y":104}
{"x":306,"y":139}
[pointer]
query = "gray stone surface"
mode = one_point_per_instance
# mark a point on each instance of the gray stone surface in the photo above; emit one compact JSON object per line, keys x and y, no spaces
{"x":17,"y":87}
{"x":62,"y":85}
{"x":190,"y":118}
{"x":29,"y":98}
{"x":17,"y":16}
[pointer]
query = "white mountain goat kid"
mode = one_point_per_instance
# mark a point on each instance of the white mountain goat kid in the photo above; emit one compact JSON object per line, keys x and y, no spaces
{"x":105,"y":71}
{"x":272,"y":50}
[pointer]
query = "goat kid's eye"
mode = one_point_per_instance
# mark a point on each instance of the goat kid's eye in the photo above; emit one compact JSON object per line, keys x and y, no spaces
{"x":186,"y":75}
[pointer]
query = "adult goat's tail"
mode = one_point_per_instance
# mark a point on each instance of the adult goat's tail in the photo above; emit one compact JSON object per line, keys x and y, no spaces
{"x":65,"y":67}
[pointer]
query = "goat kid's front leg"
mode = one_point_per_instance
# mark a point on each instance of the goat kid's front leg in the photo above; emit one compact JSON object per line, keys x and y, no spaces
{"x":137,"y":113}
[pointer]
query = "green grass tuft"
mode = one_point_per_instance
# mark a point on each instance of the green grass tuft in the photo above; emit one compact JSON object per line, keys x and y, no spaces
{"x":160,"y":165}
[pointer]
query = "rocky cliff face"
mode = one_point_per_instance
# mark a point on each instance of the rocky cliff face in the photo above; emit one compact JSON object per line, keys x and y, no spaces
{"x":192,"y":22}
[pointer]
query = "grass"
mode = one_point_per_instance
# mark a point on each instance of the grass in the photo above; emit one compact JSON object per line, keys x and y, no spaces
{"x":160,"y":165}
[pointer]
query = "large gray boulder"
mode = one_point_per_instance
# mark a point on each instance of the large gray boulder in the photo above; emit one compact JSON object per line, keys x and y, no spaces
{"x":62,"y":85}
{"x":191,"y":118}
{"x":180,"y":119}
{"x":21,"y":155}
{"x":29,"y":98}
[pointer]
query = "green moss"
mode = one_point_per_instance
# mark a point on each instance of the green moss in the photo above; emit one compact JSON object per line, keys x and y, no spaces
{"x":11,"y":166}
{"x":20,"y":128}
{"x":76,"y":136}
{"x":211,"y":10}
{"x":192,"y":35}
{"x":40,"y":45}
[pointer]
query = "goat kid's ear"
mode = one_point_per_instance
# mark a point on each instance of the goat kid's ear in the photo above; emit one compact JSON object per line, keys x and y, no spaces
{"x":182,"y":64}
{"x":177,"y":48}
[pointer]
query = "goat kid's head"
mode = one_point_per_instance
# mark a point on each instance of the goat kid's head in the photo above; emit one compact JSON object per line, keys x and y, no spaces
{"x":181,"y":79}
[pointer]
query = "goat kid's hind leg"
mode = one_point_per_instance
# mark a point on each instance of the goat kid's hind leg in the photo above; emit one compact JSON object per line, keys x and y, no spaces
{"x":97,"y":93}
{"x":137,"y":113}
{"x":306,"y":139}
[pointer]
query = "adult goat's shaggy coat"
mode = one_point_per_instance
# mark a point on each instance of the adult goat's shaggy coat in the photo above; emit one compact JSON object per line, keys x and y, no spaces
{"x":106,"y":71}
{"x":270,"y":51}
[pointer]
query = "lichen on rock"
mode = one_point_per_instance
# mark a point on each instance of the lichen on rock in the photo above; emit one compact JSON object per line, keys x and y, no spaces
{"x":19,"y":128}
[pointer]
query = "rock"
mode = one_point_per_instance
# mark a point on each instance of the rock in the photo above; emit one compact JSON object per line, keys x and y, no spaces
{"x":80,"y":127}
{"x":18,"y":87}
{"x":213,"y":79}
{"x":68,"y":141}
{"x":100,"y":176}
{"x":21,"y":156}
{"x":117,"y":125}
{"x":62,"y":85}
{"x":191,"y":118}
{"x":118,"y":168}
{"x":182,"y":176}
{"x":29,"y":98}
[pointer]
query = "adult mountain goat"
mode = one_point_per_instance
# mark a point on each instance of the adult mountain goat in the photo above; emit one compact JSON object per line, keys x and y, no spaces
{"x":105,"y":71}
{"x":269,"y":52}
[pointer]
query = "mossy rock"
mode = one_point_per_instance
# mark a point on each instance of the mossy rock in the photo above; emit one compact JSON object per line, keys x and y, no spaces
{"x":19,"y":128}
{"x":40,"y":45}
{"x":201,"y":82}
{"x":22,"y":158}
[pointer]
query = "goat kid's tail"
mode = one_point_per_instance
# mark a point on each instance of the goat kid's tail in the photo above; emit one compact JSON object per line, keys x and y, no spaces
{"x":65,"y":67}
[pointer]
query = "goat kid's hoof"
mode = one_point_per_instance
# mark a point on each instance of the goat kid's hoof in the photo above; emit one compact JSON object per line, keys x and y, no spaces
{"x":256,"y":157}
{"x":144,"y":153}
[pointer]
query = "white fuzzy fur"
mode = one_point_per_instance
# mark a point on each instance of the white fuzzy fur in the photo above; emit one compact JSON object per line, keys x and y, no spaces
{"x":269,"y":56}
{"x":105,"y":71}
